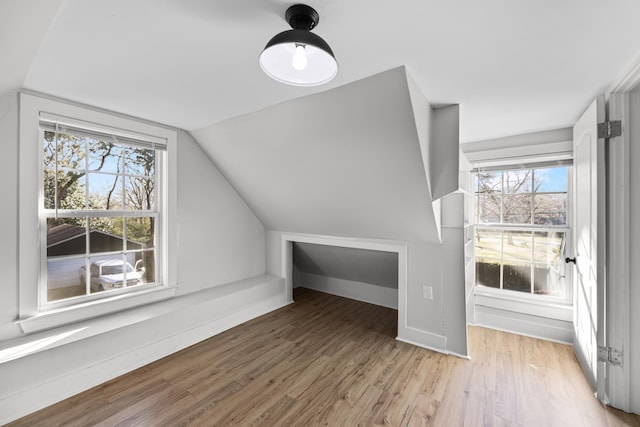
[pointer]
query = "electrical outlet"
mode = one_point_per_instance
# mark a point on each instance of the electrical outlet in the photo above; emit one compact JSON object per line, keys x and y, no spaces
{"x":427,"y":292}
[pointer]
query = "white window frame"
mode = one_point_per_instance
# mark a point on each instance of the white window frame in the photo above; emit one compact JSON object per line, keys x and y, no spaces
{"x":34,"y":316}
{"x":529,"y":297}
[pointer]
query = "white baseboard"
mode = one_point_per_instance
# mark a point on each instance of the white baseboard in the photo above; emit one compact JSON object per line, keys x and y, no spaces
{"x":52,"y":390}
{"x":423,"y":339}
{"x":359,"y":291}
{"x":523,"y":324}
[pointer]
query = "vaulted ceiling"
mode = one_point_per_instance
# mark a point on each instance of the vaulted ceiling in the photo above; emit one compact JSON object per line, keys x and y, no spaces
{"x":513,"y":66}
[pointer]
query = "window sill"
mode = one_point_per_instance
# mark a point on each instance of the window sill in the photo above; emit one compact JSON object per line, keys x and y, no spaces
{"x":76,"y":313}
{"x":229,"y":295}
{"x":526,"y":304}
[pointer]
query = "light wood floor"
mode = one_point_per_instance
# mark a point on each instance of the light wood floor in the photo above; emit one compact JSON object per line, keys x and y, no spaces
{"x":332,"y":361}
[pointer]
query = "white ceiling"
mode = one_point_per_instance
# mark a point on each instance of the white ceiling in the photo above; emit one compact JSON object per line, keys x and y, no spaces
{"x":514,"y":66}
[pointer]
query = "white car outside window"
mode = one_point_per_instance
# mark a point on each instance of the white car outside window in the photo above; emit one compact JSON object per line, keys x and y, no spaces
{"x":111,"y":273}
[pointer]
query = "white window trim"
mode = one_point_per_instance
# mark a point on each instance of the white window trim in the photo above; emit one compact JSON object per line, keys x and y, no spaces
{"x":518,"y":298}
{"x":31,"y":318}
{"x":526,"y":303}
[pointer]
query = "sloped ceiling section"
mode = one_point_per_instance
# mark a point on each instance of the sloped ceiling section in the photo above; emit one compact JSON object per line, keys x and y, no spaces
{"x":21,"y":34}
{"x":345,"y":162}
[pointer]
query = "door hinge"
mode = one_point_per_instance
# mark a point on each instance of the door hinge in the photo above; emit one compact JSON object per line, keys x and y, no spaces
{"x":610,"y":355}
{"x":610,"y":129}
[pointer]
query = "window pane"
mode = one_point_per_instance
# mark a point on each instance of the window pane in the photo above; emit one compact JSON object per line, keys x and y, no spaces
{"x":489,"y":208}
{"x":548,"y":247}
{"x":105,"y":191}
{"x":111,"y":272}
{"x":488,"y":244}
{"x":71,"y":189}
{"x":487,"y":252}
{"x":516,"y":208}
{"x":517,"y":181}
{"x":517,"y":276}
{"x":104,"y":156}
{"x":489,"y":182}
{"x":139,"y":193}
{"x":140,"y":161}
{"x":106,"y":235}
{"x":550,"y":209}
{"x":66,"y":248}
{"x":488,"y":273}
{"x":517,"y":245}
{"x":140,"y":233}
{"x":66,"y":236}
{"x":551,"y":180}
{"x":548,"y":257}
{"x":144,"y":266}
{"x":548,"y":281}
{"x":71,"y":151}
{"x":107,"y":272}
{"x":64,"y":278}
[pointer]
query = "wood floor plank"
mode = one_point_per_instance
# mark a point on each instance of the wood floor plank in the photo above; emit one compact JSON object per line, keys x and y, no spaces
{"x":331,"y":361}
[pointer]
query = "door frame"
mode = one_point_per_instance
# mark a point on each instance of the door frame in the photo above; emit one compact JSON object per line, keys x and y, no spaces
{"x":617,"y":391}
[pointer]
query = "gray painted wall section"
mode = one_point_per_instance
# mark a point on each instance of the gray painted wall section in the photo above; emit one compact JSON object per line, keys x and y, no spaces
{"x":359,"y":265}
{"x":445,"y":148}
{"x":345,"y":162}
{"x":438,"y":133}
{"x":220,"y":239}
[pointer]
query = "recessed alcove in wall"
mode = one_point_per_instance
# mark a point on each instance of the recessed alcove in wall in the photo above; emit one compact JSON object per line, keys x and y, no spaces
{"x":368,"y":270}
{"x":363,"y":274}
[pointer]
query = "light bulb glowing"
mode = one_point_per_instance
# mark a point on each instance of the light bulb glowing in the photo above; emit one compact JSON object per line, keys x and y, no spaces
{"x":299,"y":60}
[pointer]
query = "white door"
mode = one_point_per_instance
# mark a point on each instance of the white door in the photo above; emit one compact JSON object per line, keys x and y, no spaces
{"x":588,"y":239}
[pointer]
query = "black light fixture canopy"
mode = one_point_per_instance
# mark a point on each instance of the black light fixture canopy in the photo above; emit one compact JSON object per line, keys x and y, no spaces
{"x":299,"y":57}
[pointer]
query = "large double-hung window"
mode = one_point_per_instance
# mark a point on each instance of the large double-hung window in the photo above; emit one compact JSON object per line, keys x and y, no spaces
{"x":99,"y":210}
{"x":97,"y":213}
{"x":522,"y":228}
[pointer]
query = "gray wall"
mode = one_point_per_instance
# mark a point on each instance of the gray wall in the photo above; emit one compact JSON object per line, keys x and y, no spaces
{"x":347,"y":162}
{"x":359,"y":265}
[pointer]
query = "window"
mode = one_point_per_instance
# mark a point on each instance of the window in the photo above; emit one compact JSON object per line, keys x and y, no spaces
{"x":522,"y":228}
{"x":100,"y":212}
{"x":97,"y":207}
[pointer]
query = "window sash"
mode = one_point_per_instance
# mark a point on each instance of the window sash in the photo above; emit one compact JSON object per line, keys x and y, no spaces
{"x":107,"y":135}
{"x":500,"y":193}
{"x":519,"y":269}
{"x":531,"y":263}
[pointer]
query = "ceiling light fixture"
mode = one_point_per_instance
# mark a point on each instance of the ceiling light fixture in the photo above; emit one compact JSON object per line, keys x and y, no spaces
{"x":299,"y":57}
